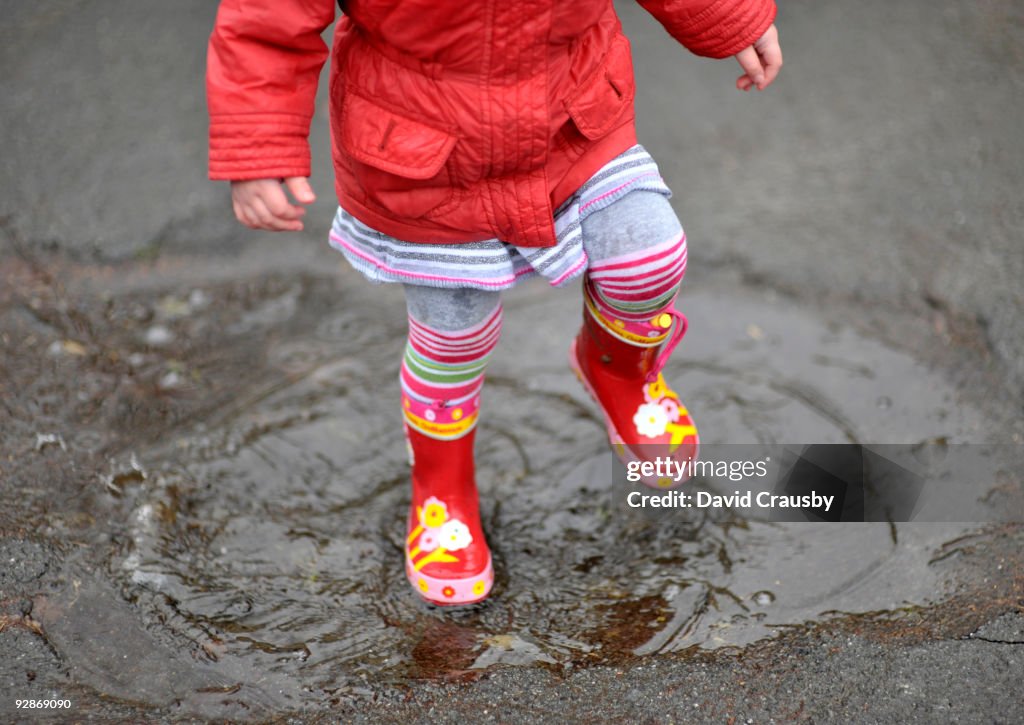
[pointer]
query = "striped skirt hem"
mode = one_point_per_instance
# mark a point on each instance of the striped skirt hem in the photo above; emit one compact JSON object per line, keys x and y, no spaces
{"x":493,"y":264}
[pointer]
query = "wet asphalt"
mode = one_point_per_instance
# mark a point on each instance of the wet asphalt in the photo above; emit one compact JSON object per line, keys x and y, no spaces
{"x":194,"y":527}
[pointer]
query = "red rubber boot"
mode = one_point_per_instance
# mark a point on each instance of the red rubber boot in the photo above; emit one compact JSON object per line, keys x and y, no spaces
{"x":446,"y":556}
{"x":617,"y":359}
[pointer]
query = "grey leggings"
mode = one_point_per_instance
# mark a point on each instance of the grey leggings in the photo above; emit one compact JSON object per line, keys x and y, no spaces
{"x":627,"y":225}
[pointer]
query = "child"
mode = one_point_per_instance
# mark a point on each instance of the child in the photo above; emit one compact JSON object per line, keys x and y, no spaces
{"x":476,"y":143}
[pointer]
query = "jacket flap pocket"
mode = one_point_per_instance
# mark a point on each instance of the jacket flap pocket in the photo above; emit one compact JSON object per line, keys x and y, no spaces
{"x":391,"y":142}
{"x":602,"y":97}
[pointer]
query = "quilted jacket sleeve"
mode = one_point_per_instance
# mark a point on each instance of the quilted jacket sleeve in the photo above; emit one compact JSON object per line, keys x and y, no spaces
{"x":713,"y":28}
{"x":262,"y":67}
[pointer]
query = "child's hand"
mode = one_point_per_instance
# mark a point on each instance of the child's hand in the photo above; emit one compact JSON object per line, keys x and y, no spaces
{"x":760,"y":62}
{"x":262,"y":203}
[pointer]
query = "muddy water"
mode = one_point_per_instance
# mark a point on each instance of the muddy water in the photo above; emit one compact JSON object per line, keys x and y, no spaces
{"x":269,"y":544}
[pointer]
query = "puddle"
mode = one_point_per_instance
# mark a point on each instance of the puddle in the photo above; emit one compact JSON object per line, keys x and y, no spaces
{"x":270,"y":545}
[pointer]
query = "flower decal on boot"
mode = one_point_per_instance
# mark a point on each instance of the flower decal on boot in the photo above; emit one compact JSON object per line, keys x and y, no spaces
{"x":435,"y":535}
{"x":661,"y":412}
{"x":455,"y":535}
{"x":650,"y":420}
{"x":434,"y":513}
{"x":671,"y":408}
{"x":659,"y":392}
{"x":429,"y":540}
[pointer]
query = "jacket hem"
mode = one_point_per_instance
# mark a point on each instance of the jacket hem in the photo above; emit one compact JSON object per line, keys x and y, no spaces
{"x":597,"y":155}
{"x":405,"y":231}
{"x":283,"y":172}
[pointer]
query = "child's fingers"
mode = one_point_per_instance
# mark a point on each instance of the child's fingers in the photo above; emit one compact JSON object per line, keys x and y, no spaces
{"x":300,"y":189}
{"x":243,"y":215}
{"x":270,"y":221}
{"x":767,"y":47}
{"x":772,"y":58}
{"x":750,"y":62}
{"x":259,"y":213}
{"x":262,"y":204}
{"x":277,"y":203}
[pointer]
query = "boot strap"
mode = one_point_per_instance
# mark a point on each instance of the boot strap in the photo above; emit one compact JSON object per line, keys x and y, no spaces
{"x":439,"y":420}
{"x":666,"y":326}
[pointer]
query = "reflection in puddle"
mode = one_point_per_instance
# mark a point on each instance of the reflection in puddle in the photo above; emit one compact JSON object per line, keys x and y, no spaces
{"x":274,"y":544}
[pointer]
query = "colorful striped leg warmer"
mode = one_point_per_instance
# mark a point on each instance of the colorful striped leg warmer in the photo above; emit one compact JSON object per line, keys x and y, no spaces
{"x":442,"y":375}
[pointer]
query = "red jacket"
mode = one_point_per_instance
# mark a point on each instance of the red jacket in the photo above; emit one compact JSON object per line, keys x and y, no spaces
{"x":451,"y":120}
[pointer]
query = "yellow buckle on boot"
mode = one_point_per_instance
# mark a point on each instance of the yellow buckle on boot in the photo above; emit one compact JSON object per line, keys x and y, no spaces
{"x":617,"y":327}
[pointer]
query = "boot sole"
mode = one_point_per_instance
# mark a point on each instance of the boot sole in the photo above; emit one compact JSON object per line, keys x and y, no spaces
{"x":463,"y":590}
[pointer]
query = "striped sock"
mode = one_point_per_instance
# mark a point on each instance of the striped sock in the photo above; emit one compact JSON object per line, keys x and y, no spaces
{"x":639,"y":284}
{"x":442,"y":375}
